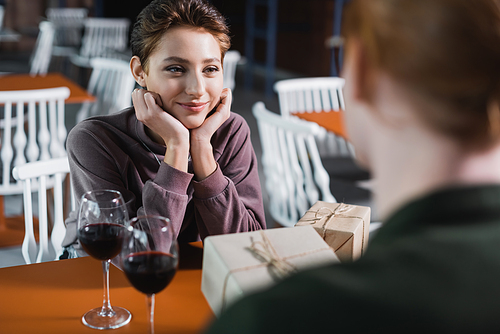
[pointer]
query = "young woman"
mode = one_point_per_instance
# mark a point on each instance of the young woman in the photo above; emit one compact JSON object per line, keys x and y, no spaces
{"x":179,"y":152}
{"x":423,"y":112}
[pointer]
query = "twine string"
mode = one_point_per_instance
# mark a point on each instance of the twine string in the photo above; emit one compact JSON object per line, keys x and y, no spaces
{"x":338,"y":212}
{"x":289,"y":267}
{"x":265,"y":252}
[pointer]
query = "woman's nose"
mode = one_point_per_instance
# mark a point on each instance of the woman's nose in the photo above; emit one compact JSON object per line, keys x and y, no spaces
{"x":195,"y":85}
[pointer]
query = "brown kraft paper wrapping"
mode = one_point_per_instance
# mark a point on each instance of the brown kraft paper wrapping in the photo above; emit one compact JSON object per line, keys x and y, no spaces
{"x":237,"y":264}
{"x":344,"y":227}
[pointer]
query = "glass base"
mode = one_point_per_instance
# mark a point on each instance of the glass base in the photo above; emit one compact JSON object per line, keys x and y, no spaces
{"x":94,"y":319}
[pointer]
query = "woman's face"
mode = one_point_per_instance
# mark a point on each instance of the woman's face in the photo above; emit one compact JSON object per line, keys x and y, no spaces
{"x":186,"y":71}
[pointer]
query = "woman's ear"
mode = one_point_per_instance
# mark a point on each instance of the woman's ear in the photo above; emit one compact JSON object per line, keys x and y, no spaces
{"x":138,"y":71}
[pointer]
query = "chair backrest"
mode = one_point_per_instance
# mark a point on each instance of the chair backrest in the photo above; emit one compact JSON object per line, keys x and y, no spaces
{"x":307,"y":95}
{"x":112,"y":83}
{"x":68,"y":23}
{"x":42,"y":54}
{"x":40,"y":176}
{"x":104,"y":36}
{"x":295,"y":178}
{"x":33,"y":129}
{"x":310,"y":94}
{"x":231,"y":59}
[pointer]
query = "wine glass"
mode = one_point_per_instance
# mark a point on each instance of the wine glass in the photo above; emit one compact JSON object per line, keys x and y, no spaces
{"x":150,"y":256}
{"x":102,"y":221}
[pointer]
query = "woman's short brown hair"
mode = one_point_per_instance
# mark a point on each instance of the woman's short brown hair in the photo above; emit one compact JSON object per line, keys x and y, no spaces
{"x":445,"y":51}
{"x":156,"y":18}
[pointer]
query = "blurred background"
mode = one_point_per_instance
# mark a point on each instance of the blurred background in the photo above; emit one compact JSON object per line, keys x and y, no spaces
{"x":276,"y":41}
{"x":301,"y":27}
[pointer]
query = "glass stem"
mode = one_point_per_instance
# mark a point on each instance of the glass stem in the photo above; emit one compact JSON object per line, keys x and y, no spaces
{"x":150,"y":301}
{"x":106,"y":310}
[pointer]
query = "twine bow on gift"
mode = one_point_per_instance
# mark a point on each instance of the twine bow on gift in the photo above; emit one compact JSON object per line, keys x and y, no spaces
{"x":265,"y":252}
{"x":339,"y":212}
{"x":326,"y":212}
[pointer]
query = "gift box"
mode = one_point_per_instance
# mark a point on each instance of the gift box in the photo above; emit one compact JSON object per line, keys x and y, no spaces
{"x":344,"y":227}
{"x":237,"y":264}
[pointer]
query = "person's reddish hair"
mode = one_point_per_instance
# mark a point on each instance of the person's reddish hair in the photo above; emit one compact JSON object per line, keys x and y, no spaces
{"x":446,"y":52}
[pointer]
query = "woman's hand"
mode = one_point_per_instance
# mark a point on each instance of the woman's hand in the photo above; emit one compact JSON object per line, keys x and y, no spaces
{"x":201,"y":150}
{"x":173,"y":133}
{"x":204,"y":132}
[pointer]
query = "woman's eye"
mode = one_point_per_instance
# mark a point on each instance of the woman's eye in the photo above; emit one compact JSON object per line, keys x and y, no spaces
{"x":175,"y":69}
{"x":212,"y":69}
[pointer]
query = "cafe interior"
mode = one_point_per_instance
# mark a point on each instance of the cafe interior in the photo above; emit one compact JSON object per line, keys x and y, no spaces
{"x":283,"y":68}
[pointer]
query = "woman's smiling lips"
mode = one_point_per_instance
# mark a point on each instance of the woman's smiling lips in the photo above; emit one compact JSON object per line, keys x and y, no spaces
{"x":194,"y":106}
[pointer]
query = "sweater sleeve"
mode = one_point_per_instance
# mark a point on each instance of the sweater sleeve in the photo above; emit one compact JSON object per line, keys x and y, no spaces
{"x":95,"y":165}
{"x":166,"y":195}
{"x":92,"y":167}
{"x":227,"y":201}
{"x":230,"y":199}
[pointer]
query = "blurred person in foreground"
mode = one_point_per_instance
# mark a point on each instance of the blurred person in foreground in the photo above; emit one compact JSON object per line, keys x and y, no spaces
{"x":423,"y":112}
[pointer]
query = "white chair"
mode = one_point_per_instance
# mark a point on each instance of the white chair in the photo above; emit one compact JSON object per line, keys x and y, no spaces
{"x":231,"y":59}
{"x":40,"y":138}
{"x":32,"y":129}
{"x":308,"y":95}
{"x":112,"y":83}
{"x":294,"y":174}
{"x":102,"y":37}
{"x":68,"y":23}
{"x":40,"y":59}
{"x":40,"y":176}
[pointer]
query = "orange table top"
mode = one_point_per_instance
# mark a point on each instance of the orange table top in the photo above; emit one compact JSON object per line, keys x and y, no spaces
{"x":51,"y":80}
{"x":51,"y":297}
{"x":330,"y":120}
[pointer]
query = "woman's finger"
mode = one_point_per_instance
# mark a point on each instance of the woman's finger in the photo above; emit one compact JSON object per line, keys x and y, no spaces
{"x":150,"y":101}
{"x":156,"y":97}
{"x":225,"y":99}
{"x":221,"y":114}
{"x":223,"y":109}
{"x":138,"y":99}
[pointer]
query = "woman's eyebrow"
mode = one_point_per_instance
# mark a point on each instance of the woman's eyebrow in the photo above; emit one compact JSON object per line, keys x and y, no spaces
{"x":175,"y":59}
{"x":211,"y":60}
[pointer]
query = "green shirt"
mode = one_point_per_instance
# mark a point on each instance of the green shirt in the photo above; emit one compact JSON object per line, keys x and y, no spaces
{"x":434,"y":267}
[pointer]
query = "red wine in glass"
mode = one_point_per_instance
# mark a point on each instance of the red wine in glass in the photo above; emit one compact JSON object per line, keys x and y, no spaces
{"x":102,"y":222}
{"x":101,"y":241}
{"x":150,"y":272}
{"x":149,"y":257}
